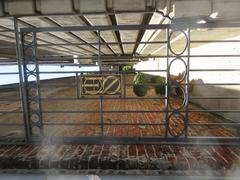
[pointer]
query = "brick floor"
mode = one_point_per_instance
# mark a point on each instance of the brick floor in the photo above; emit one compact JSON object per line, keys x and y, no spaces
{"x":117,"y":118}
{"x":121,"y":157}
{"x":158,"y":157}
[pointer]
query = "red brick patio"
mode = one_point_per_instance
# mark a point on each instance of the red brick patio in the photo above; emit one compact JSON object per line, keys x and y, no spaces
{"x":121,"y":157}
{"x":112,"y":118}
{"x":127,"y":118}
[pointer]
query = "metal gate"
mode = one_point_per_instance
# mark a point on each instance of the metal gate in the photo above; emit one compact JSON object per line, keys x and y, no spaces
{"x":174,"y":125}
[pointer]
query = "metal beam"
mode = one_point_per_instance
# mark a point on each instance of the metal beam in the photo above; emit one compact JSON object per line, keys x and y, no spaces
{"x":95,"y":28}
{"x":50,"y":34}
{"x":132,"y":27}
{"x":69,"y":33}
{"x":117,"y":33}
{"x":11,"y":46}
{"x":145,"y":21}
{"x":95,"y":32}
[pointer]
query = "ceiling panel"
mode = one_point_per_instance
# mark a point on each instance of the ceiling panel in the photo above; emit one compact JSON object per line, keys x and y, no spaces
{"x":87,"y":36}
{"x":129,"y":36}
{"x":108,"y":36}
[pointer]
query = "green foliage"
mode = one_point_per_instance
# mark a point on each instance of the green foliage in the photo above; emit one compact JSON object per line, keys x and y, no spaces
{"x":157,"y":79}
{"x":160,"y":89}
{"x":140,"y":89}
{"x":126,"y":68}
{"x":138,"y":78}
{"x":160,"y":84}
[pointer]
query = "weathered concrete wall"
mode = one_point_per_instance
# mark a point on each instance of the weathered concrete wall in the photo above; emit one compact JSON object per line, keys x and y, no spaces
{"x":226,"y":9}
{"x":221,"y":77}
{"x":217,"y":104}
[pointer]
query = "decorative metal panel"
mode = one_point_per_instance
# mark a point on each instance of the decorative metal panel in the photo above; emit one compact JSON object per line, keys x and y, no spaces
{"x":101,"y":84}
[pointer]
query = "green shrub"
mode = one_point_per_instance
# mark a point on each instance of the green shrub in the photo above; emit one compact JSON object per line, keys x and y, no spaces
{"x":126,"y":68}
{"x":160,"y":89}
{"x":140,"y":89}
{"x":160,"y":84}
{"x":157,"y":79}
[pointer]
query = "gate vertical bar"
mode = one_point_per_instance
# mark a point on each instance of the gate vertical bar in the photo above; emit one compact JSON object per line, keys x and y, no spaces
{"x":124,"y":84}
{"x":166,"y":86}
{"x":101,"y":114}
{"x":77,"y":84}
{"x":21,"y":83}
{"x":188,"y":81}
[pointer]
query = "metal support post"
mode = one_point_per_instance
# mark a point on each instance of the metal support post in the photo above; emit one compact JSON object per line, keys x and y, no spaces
{"x":21,"y":83}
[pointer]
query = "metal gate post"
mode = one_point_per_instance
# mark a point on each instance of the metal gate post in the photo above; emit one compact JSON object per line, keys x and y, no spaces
{"x":21,"y":83}
{"x":32,"y":85}
{"x":180,"y":113}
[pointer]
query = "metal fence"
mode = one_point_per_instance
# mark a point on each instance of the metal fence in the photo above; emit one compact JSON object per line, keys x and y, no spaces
{"x":62,"y":110}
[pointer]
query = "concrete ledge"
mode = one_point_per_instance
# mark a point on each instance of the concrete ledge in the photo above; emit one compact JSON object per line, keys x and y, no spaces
{"x":126,"y":5}
{"x":33,"y":7}
{"x":53,"y":6}
{"x":189,"y":8}
{"x":227,"y":10}
{"x":20,"y":7}
{"x":1,"y":8}
{"x":92,"y":6}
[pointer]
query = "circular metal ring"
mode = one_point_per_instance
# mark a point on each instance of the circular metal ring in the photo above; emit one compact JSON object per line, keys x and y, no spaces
{"x":26,"y":36}
{"x":176,"y":125}
{"x":32,"y":92}
{"x":33,"y":75}
{"x":36,"y":130}
{"x":185,"y":72}
{"x":31,"y":69}
{"x":35,"y":118}
{"x":186,"y":44}
{"x":28,"y":52}
{"x":107,"y":87}
{"x":183,"y":101}
{"x":34,"y":105}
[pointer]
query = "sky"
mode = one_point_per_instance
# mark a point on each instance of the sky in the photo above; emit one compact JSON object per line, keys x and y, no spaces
{"x":9,"y":79}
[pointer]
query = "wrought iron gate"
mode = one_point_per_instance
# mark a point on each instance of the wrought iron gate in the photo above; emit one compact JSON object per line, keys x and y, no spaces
{"x":176,"y":118}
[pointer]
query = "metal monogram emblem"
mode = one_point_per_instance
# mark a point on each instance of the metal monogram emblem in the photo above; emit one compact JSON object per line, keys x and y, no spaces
{"x":101,"y":85}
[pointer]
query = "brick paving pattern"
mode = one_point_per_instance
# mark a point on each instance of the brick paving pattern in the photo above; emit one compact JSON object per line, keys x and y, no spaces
{"x":123,"y":121}
{"x":122,"y":157}
{"x":125,"y":118}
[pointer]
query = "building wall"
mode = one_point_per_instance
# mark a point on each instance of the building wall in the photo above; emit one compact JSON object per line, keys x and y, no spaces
{"x":210,"y":77}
